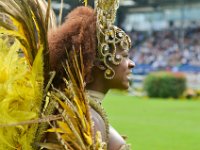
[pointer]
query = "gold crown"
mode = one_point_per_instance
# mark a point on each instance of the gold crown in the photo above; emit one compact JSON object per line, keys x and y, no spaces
{"x":109,"y":36}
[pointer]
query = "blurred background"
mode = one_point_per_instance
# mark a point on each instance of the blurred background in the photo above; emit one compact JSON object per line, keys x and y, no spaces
{"x":165,"y":37}
{"x":161,"y":111}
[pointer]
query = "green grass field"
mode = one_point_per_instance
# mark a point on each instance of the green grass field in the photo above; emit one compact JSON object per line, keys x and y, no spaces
{"x":155,"y":124}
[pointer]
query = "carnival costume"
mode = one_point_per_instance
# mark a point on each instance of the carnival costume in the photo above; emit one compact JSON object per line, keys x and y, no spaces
{"x":28,"y":102}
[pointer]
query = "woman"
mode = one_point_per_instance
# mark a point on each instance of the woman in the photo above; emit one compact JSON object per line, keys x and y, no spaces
{"x":105,"y":58}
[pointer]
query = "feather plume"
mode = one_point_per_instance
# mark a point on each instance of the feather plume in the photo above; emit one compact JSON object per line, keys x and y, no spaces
{"x":22,"y":28}
{"x":75,"y":109}
{"x":75,"y":128}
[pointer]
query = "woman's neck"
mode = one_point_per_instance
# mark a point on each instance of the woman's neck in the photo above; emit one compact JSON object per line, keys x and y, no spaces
{"x":96,"y":96}
{"x":97,"y":87}
{"x":98,"y":82}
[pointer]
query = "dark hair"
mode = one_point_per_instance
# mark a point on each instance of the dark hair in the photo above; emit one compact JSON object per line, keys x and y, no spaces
{"x":78,"y":30}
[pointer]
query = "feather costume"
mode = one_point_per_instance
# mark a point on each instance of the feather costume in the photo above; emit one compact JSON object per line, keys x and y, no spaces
{"x":23,"y":64}
{"x":74,"y":130}
{"x":24,"y":81}
{"x":23,"y":45}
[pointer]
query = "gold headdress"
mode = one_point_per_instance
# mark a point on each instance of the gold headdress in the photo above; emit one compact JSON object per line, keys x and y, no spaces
{"x":109,"y":36}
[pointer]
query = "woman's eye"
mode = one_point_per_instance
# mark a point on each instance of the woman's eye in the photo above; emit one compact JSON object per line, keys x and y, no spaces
{"x":125,"y":55}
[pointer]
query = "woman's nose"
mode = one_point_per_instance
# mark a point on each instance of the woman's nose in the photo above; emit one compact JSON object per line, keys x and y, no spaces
{"x":131,"y":64}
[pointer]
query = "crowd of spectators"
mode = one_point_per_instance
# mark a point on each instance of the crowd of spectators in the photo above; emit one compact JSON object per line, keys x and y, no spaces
{"x":172,"y":49}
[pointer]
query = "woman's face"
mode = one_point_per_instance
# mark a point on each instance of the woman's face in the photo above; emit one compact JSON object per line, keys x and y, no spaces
{"x":122,"y":71}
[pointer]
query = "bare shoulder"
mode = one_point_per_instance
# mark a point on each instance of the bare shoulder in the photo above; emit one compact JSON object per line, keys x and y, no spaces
{"x":99,"y":124}
{"x":116,"y":142}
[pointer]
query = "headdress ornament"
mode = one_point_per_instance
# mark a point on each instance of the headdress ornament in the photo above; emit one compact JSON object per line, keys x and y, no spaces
{"x":109,"y":36}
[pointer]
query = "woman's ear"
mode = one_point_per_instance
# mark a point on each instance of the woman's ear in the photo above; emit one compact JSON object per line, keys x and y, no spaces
{"x":100,"y":65}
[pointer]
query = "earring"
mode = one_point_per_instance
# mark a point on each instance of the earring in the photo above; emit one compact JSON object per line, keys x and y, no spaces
{"x":108,"y":71}
{"x":109,"y":74}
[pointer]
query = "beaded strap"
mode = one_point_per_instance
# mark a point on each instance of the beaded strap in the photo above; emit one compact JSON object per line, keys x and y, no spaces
{"x":100,"y":110}
{"x":125,"y":147}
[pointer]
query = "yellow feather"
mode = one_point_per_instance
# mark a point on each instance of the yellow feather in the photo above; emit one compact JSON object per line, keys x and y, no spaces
{"x":77,"y":120}
{"x":25,"y":47}
{"x":57,"y":130}
{"x":65,"y":128}
{"x":21,"y":74}
{"x":18,"y":102}
{"x":86,"y":2}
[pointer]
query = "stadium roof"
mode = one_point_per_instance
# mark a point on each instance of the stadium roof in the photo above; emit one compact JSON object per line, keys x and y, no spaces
{"x":162,"y":2}
{"x":135,"y":3}
{"x":126,"y":5}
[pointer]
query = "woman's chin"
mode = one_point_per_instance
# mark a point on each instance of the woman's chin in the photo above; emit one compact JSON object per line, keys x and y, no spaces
{"x":125,"y":86}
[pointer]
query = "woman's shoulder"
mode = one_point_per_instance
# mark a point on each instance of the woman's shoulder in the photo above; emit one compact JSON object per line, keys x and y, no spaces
{"x":116,"y":142}
{"x":99,"y":124}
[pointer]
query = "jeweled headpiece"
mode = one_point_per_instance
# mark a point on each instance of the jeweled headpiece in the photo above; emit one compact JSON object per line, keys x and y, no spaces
{"x":109,"y":36}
